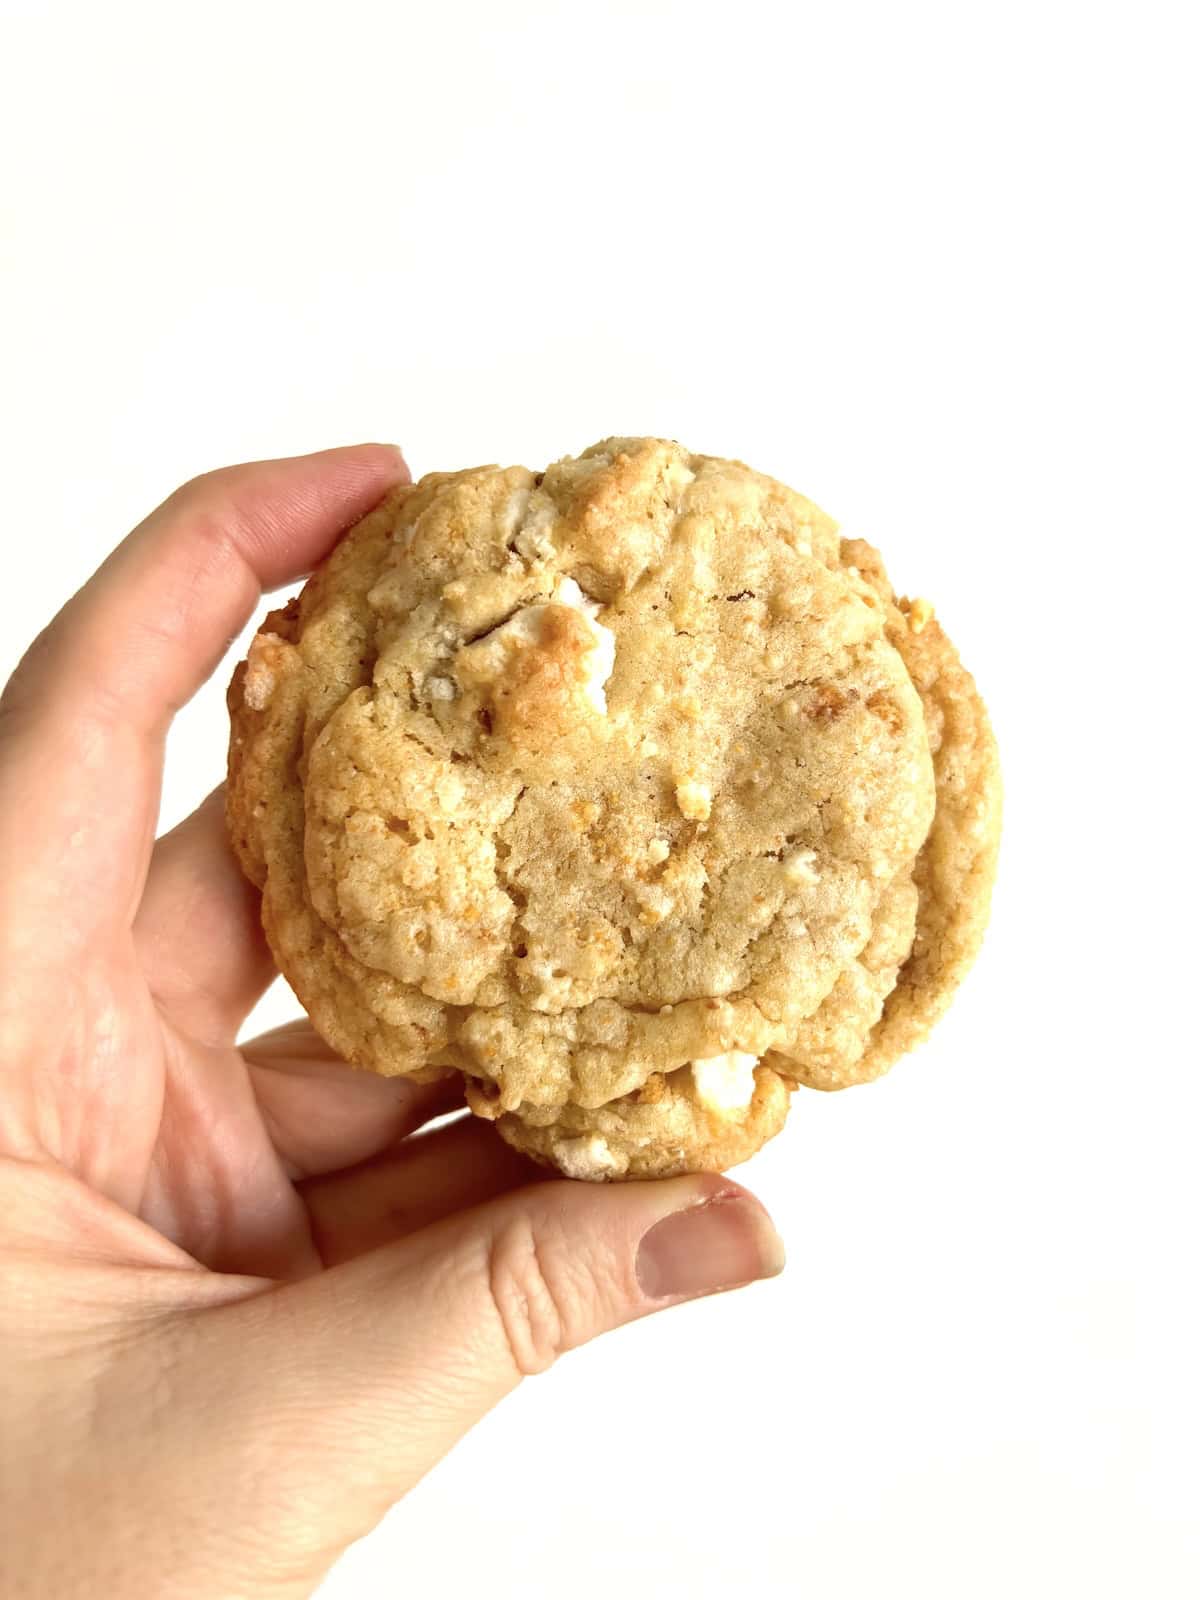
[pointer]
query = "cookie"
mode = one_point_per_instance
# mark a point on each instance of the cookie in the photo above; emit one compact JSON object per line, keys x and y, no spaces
{"x":626,"y":789}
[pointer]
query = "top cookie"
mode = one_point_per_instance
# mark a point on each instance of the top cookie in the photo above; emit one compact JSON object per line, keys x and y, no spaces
{"x":571,"y":780}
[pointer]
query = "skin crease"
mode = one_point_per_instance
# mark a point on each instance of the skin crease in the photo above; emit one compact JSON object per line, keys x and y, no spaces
{"x":244,"y":1303}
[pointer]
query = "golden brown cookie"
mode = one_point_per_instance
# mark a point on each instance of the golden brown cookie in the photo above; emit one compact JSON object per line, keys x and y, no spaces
{"x":627,"y":789}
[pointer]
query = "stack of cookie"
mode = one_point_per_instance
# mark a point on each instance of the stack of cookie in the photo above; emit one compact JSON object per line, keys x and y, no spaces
{"x":627,"y":790}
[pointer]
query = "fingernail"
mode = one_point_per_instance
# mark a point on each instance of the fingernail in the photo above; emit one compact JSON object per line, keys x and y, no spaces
{"x":714,"y":1245}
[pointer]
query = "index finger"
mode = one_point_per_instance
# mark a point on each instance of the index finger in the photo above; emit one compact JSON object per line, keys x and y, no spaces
{"x":83,"y":720}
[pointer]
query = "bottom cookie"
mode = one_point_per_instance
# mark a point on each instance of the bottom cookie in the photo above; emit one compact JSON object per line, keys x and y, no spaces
{"x":689,"y":1120}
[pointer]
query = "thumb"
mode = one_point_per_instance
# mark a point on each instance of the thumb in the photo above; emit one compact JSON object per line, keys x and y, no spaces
{"x":358,"y":1380}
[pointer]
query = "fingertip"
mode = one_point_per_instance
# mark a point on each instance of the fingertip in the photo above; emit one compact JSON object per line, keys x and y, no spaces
{"x":282,"y":515}
{"x":383,"y":455}
{"x":394,"y":453}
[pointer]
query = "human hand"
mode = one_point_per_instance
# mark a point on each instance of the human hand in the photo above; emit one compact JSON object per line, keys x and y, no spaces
{"x":242,"y":1311}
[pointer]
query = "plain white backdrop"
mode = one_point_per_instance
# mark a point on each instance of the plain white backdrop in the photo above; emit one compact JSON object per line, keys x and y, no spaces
{"x":934,"y":265}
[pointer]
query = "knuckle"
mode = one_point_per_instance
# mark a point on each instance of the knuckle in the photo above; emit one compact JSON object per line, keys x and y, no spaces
{"x":20,"y":690}
{"x":529,"y":1298}
{"x":197,"y":488}
{"x":211,"y":494}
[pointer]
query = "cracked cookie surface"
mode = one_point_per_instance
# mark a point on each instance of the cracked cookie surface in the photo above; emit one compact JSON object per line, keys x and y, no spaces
{"x":575,"y":780}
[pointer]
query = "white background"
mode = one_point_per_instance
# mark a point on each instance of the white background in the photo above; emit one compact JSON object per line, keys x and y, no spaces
{"x":933,"y":265}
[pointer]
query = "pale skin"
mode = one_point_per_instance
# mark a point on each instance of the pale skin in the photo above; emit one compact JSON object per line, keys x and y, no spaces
{"x":244,"y":1304}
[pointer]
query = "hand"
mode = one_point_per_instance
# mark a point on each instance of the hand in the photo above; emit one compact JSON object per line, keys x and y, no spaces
{"x":242,"y":1311}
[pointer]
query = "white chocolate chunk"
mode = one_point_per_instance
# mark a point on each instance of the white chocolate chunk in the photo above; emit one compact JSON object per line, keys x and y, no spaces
{"x":524,"y":629}
{"x":602,"y":656}
{"x":725,"y":1084}
{"x":588,"y":1159}
{"x":257,"y":686}
{"x":259,"y":683}
{"x":694,"y":799}
{"x":798,"y":867}
{"x":533,"y":541}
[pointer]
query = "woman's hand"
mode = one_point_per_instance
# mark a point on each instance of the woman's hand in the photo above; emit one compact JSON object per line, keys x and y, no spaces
{"x":242,"y":1311}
